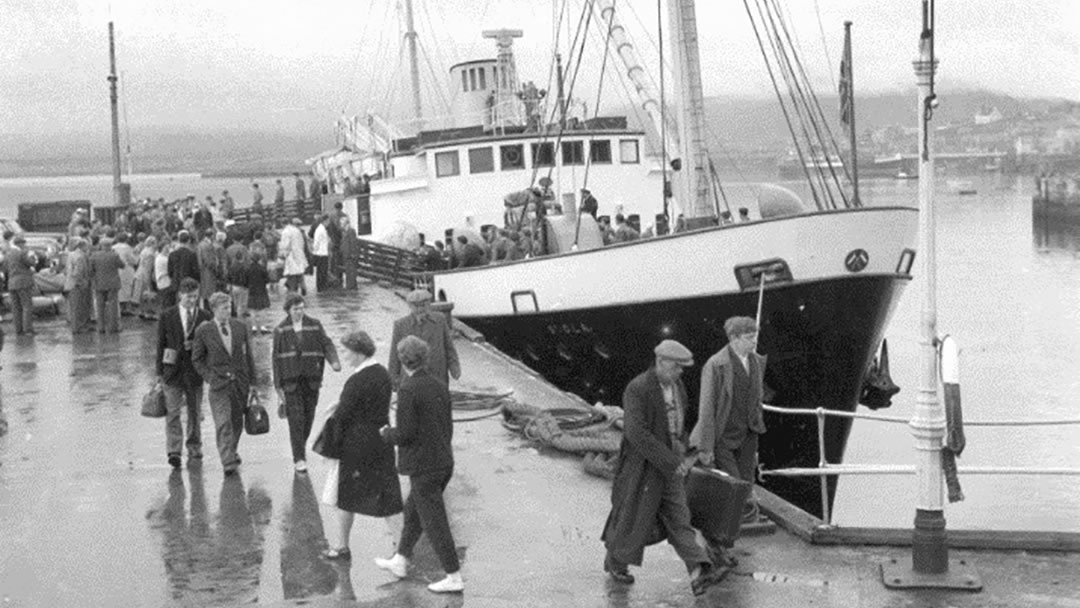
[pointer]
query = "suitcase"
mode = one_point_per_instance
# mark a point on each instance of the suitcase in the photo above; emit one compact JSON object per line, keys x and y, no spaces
{"x":716,"y":503}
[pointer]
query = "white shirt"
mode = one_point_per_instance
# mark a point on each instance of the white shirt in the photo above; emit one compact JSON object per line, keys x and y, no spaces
{"x":745,"y":360}
{"x":161,"y":270}
{"x":321,"y":244}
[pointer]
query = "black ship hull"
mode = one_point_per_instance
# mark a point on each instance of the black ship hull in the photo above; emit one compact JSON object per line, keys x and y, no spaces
{"x":820,"y":337}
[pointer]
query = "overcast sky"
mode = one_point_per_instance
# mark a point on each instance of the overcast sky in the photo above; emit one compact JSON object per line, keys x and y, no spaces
{"x":293,"y":66}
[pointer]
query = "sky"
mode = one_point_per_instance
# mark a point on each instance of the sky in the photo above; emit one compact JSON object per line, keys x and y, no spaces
{"x":295,"y":66}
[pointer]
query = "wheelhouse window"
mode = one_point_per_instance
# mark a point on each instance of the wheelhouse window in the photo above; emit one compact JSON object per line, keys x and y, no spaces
{"x":600,"y":151}
{"x":543,"y":154}
{"x":481,"y":160}
{"x":447,"y":164}
{"x":512,"y":157}
{"x":483,"y":78}
{"x":628,"y":151}
{"x":464,"y":81}
{"x":573,"y":153}
{"x":472,"y":78}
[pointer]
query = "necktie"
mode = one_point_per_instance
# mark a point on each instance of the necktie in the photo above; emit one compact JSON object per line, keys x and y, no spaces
{"x":225,"y":329}
{"x":190,"y":319}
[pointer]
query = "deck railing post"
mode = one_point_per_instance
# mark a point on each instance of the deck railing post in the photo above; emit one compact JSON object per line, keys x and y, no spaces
{"x":822,"y":463}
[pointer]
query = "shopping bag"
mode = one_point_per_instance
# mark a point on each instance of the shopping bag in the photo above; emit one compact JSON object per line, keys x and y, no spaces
{"x":328,"y":442}
{"x":153,"y":402}
{"x":330,"y":488}
{"x":256,"y":420}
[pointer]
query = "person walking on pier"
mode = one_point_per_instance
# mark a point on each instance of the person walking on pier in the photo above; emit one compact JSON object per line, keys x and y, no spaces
{"x":291,"y":251}
{"x":105,"y":265}
{"x":19,"y":265}
{"x":77,"y":286}
{"x":425,"y":428}
{"x":366,"y":480}
{"x":300,"y":351}
{"x":301,"y":192}
{"x":433,"y":329}
{"x":183,"y":263}
{"x":180,"y":381}
{"x":221,"y":352}
{"x":730,"y":416}
{"x":648,"y":495}
{"x":256,"y":198}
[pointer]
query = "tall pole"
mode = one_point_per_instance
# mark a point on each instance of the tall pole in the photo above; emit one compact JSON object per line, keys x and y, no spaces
{"x":115,"y":119}
{"x":693,"y":187}
{"x":851,"y":102}
{"x":414,"y":65}
{"x":929,"y":566}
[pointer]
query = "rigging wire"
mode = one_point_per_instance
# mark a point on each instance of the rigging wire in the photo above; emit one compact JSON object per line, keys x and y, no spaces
{"x":356,"y":60}
{"x":802,"y":102}
{"x":780,"y":98}
{"x":663,"y":108}
{"x":435,"y":88}
{"x":825,"y":45}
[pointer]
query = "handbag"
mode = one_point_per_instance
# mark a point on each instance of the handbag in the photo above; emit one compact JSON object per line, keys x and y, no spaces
{"x":153,"y":402}
{"x":256,"y":420}
{"x":328,"y":443}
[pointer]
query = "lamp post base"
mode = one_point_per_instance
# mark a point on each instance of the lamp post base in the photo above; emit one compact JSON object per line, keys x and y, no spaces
{"x":899,"y":574}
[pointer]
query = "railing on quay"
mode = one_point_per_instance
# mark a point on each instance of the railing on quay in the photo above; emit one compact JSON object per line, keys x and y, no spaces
{"x":826,"y":469}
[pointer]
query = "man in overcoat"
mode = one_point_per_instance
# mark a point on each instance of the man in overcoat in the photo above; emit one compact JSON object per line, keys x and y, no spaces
{"x":648,"y":495}
{"x":180,"y":380}
{"x":105,"y":266}
{"x":20,"y":264}
{"x":432,"y":328}
{"x":221,"y":353}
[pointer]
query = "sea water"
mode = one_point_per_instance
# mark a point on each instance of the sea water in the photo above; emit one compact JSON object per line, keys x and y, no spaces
{"x":1010,"y":301}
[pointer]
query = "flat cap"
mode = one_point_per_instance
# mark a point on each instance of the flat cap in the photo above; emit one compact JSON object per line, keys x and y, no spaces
{"x":19,"y":240}
{"x":670,"y":349}
{"x":418,"y":296}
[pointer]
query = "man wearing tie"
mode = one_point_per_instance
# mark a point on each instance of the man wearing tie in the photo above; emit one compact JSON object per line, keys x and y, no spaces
{"x":180,"y":381}
{"x":222,"y":355}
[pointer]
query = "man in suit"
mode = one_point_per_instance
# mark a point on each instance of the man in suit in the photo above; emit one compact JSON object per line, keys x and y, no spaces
{"x":105,"y":265}
{"x":20,"y":264}
{"x":221,"y":353}
{"x":176,"y":372}
{"x":423,"y":435}
{"x":730,"y":416}
{"x":432,"y":328}
{"x":77,"y":285}
{"x":648,"y":495}
{"x":183,"y":263}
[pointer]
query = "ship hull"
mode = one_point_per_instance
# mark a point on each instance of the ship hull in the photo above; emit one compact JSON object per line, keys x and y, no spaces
{"x":588,"y":320}
{"x":819,"y":338}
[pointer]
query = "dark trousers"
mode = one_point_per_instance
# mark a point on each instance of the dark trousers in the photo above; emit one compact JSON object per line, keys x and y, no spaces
{"x":674,"y":516}
{"x":295,"y":283}
{"x":167,"y":297}
{"x":80,"y":305}
{"x":22,"y":309}
{"x":322,"y":272}
{"x":741,"y":463}
{"x":300,"y":411}
{"x":425,"y":512}
{"x":348,"y":268}
{"x":107,"y":302}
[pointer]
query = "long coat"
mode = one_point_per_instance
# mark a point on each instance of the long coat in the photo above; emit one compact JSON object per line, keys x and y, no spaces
{"x":715,"y":399}
{"x":291,"y":250}
{"x":431,"y":327}
{"x":646,"y":463}
{"x":367,"y":481}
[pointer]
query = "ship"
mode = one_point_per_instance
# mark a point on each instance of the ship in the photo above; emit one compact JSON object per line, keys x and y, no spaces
{"x":823,"y":278}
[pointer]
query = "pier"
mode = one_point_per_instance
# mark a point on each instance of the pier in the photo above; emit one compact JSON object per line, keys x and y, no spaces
{"x":94,"y":516}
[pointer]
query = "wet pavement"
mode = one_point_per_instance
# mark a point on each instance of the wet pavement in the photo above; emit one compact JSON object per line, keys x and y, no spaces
{"x":92,"y":515}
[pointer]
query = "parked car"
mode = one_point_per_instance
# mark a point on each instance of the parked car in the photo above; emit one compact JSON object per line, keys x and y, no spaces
{"x":47,"y":246}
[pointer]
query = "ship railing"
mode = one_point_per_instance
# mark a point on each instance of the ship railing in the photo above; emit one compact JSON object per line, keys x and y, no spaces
{"x":825,"y":469}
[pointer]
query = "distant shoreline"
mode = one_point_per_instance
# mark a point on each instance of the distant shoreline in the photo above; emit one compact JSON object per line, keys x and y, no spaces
{"x":8,"y":173}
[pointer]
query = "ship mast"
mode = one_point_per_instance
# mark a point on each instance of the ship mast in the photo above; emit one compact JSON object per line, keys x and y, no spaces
{"x":117,"y":197}
{"x":692,"y":188}
{"x":414,"y":66}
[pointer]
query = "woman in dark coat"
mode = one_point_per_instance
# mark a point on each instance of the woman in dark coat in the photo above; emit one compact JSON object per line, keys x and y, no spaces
{"x":367,"y":479}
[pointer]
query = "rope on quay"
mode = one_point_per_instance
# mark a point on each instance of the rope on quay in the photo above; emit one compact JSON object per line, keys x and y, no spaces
{"x":595,"y":432}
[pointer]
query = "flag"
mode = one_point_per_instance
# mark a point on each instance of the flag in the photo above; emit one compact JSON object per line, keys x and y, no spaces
{"x":846,"y":116}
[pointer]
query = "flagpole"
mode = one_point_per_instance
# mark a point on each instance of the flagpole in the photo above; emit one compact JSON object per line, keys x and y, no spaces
{"x":851,"y":112}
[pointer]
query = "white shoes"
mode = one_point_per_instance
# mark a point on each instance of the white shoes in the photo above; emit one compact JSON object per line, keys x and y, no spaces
{"x":451,"y":584}
{"x":396,"y":565}
{"x":301,"y":466}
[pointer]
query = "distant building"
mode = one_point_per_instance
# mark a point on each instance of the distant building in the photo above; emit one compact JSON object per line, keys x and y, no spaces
{"x":987,"y":116}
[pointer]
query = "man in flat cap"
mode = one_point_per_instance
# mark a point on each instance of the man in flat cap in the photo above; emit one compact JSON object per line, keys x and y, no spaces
{"x":432,"y":328}
{"x":648,"y":496}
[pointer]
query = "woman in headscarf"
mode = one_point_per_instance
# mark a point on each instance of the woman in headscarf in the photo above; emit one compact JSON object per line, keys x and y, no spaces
{"x":367,"y":480}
